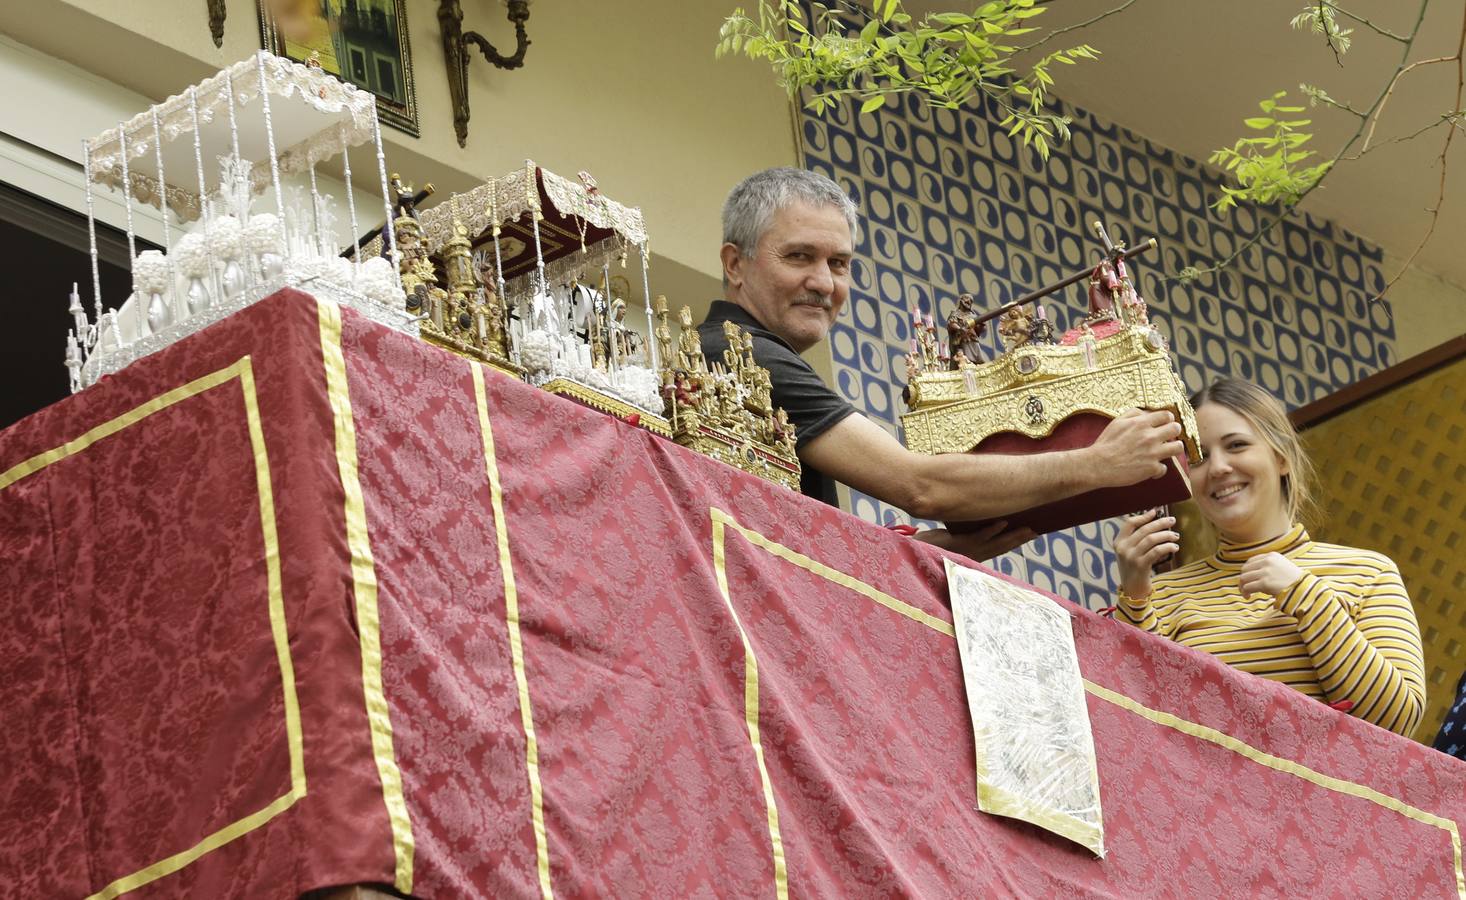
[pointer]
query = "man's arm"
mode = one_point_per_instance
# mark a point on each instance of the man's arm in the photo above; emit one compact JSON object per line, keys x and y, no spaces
{"x":958,"y":487}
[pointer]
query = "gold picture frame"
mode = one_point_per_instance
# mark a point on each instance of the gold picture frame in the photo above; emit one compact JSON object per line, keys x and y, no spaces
{"x":363,"y":42}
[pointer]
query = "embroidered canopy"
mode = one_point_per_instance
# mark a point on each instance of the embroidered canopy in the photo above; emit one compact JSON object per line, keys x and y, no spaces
{"x":312,"y":116}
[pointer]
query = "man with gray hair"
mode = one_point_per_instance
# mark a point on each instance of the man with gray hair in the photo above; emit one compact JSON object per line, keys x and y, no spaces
{"x":788,"y":244}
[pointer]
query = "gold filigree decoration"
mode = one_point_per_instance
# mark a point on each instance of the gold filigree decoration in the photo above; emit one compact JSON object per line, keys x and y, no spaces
{"x":724,"y":409}
{"x":466,"y":316}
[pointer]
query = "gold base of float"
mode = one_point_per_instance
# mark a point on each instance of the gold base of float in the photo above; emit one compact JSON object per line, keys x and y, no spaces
{"x":589,"y":396}
{"x":1033,"y":388}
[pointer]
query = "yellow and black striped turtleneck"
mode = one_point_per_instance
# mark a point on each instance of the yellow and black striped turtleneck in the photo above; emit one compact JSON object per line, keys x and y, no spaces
{"x":1344,"y":631}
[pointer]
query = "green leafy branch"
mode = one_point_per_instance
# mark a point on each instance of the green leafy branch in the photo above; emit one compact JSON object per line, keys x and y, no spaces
{"x":947,"y":57}
{"x":1321,"y":17}
{"x":951,"y":57}
{"x":1269,"y":167}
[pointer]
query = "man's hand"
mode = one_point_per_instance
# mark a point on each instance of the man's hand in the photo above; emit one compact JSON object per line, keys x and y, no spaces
{"x":1135,"y":447}
{"x":981,"y":545}
{"x":1268,"y":573}
{"x":1143,"y":541}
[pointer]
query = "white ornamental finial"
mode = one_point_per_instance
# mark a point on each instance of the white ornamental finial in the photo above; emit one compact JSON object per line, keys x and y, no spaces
{"x":78,"y":315}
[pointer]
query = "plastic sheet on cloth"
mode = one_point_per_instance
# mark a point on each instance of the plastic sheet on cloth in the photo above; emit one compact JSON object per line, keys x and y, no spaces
{"x":1035,"y":751}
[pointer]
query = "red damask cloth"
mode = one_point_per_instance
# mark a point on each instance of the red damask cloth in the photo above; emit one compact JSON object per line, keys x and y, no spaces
{"x":271,"y":630}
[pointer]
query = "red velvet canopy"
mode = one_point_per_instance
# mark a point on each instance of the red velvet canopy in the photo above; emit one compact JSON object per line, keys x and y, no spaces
{"x":301,"y":601}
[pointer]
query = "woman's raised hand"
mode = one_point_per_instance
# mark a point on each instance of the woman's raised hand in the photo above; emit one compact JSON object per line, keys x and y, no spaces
{"x":1143,"y":540}
{"x":1268,"y":573}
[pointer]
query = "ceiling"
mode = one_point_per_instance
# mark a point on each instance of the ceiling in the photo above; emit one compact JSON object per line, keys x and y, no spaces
{"x":1185,"y":73}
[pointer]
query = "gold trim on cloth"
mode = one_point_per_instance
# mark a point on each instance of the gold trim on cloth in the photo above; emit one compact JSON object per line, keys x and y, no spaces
{"x":1277,"y":763}
{"x":364,"y":590}
{"x":750,"y":706}
{"x":243,"y":370}
{"x":722,"y":519}
{"x":838,"y":577}
{"x":516,"y":641}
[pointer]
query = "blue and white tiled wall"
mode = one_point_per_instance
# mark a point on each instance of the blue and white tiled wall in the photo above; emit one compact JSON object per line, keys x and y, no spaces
{"x":953,"y":205}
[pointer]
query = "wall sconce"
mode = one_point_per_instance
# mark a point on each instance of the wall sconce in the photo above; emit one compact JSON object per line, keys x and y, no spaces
{"x":456,"y":42}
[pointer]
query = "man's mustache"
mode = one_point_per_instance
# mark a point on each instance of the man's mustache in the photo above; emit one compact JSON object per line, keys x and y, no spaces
{"x":815,"y":300}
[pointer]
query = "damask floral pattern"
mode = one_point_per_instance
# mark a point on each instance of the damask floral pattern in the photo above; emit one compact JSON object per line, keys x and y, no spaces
{"x":151,"y":712}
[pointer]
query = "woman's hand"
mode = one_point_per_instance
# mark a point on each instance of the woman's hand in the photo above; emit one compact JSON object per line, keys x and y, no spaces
{"x":1143,"y":541}
{"x":1268,"y":573}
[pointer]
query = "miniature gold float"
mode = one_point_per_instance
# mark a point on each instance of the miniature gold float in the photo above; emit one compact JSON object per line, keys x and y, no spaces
{"x":1041,"y":393}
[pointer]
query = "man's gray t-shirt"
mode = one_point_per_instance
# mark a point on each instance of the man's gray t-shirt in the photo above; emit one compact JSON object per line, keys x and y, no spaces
{"x":811,"y":405}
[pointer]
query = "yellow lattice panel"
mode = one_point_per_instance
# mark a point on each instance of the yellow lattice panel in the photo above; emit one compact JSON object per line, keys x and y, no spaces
{"x":1392,"y":478}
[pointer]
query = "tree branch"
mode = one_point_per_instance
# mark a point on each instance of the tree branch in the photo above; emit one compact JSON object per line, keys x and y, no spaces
{"x":1055,"y":33}
{"x":1329,"y":101}
{"x":1370,"y":25}
{"x":1440,"y":199}
{"x":1449,"y":118}
{"x":1379,"y":105}
{"x":1329,"y":38}
{"x":1371,"y":115}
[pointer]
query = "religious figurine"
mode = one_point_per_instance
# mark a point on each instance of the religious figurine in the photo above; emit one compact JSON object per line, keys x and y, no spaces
{"x":1104,"y":284}
{"x":1087,"y":346}
{"x":595,"y":332}
{"x":1134,"y":306}
{"x":495,"y":327}
{"x":624,"y":342}
{"x":733,"y":356}
{"x":927,"y":338}
{"x":1014,"y":327}
{"x":689,"y":348}
{"x":963,"y":330}
{"x":683,"y":394}
{"x":1041,"y":331}
{"x":783,"y":432}
{"x":419,"y":279}
{"x":759,"y":397}
{"x":663,"y":336}
{"x":408,"y":233}
{"x":730,"y":411}
{"x":404,"y":201}
{"x":708,"y":401}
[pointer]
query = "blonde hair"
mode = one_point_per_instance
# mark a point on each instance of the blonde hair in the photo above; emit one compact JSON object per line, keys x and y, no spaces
{"x":1270,"y":420}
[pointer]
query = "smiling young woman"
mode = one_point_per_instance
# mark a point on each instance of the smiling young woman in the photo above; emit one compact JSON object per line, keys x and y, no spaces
{"x":1333,"y":622}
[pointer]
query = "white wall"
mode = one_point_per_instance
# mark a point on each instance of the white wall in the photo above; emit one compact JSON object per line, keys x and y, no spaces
{"x":628,"y":91}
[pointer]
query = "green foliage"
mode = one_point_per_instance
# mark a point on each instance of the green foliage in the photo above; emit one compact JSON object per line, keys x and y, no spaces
{"x":1320,"y":17}
{"x":1269,"y":167}
{"x":1317,"y":95}
{"x":947,"y":57}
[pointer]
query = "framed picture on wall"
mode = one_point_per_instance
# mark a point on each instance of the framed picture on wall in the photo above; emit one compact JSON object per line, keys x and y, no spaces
{"x":360,"y":41}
